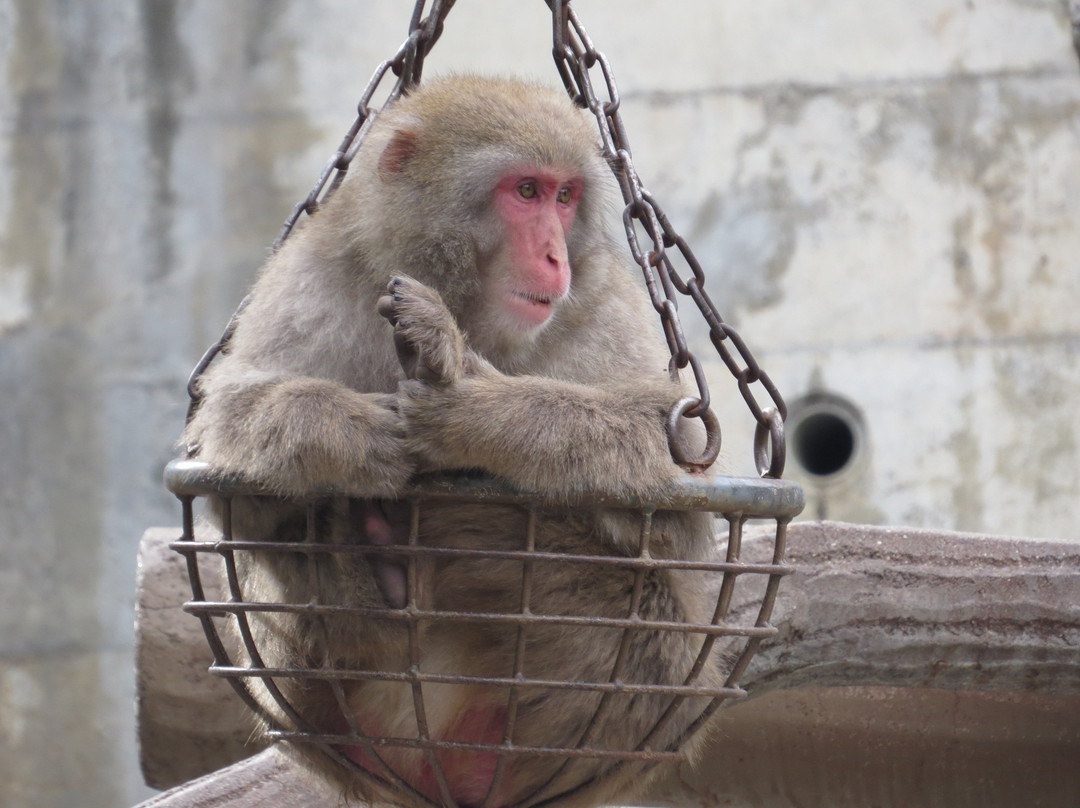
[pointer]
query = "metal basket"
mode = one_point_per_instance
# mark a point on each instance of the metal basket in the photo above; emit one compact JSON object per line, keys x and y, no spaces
{"x":744,"y":596}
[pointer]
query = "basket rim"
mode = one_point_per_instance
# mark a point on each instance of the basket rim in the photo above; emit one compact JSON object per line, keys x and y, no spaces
{"x":752,"y":497}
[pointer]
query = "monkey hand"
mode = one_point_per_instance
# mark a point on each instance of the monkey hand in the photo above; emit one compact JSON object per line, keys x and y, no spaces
{"x":440,"y":370}
{"x":298,"y":435}
{"x":429,"y":343}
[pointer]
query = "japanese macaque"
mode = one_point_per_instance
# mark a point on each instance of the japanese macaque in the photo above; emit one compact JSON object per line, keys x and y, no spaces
{"x":459,"y":304}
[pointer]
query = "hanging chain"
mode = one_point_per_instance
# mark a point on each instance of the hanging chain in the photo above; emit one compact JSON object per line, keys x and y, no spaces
{"x":408,"y":65}
{"x":575,"y":55}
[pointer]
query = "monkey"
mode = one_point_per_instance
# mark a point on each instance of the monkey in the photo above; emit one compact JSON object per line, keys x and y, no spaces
{"x":459,"y":303}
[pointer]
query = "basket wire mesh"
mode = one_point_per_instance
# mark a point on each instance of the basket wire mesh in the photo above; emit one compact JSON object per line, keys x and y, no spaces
{"x":733,"y":631}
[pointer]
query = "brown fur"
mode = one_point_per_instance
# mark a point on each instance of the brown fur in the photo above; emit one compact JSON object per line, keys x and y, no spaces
{"x":316,"y":389}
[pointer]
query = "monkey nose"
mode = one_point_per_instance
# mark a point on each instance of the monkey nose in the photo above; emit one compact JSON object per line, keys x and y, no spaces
{"x":557,"y":254}
{"x":557,"y":259}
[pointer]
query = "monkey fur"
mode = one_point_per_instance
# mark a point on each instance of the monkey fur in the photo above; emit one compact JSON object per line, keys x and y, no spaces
{"x":316,"y":389}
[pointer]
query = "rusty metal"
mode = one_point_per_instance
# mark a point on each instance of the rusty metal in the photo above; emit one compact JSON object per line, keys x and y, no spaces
{"x":737,"y":501}
{"x":575,"y":56}
{"x":408,"y":65}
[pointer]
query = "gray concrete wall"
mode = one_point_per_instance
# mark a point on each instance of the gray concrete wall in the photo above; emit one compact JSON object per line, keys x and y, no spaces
{"x":885,"y":197}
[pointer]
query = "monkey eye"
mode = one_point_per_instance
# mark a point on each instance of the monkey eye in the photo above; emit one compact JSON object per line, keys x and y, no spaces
{"x":565,"y":195}
{"x":527,"y":190}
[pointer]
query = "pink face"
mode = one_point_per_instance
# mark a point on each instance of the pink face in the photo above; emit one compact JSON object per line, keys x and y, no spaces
{"x":538,"y":209}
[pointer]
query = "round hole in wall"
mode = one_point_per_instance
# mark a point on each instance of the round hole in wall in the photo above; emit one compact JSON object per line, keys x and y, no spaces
{"x":826,"y":434}
{"x":824,"y":443}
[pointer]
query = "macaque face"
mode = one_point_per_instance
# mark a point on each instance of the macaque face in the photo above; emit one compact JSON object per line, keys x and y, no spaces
{"x":531,"y":269}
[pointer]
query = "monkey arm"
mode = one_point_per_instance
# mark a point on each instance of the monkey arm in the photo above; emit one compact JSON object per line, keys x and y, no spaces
{"x":300,"y":433}
{"x":539,"y":432}
{"x":543,"y":434}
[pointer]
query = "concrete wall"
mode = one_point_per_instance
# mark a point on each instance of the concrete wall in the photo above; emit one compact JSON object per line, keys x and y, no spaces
{"x":885,"y":197}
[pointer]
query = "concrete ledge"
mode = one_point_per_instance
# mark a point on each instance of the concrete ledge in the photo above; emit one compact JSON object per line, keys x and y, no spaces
{"x":912,"y":667}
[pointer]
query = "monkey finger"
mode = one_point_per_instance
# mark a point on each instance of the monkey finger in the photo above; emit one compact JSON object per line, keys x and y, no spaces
{"x":407,"y":354}
{"x":388,"y":401}
{"x":387,"y":308}
{"x":411,"y":391}
{"x":397,"y":283}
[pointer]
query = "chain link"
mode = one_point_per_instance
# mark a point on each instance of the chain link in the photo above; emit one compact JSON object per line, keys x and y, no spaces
{"x":576,"y":58}
{"x":408,"y":65}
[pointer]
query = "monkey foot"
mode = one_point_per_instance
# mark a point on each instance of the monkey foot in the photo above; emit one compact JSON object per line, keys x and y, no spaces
{"x":383,"y":525}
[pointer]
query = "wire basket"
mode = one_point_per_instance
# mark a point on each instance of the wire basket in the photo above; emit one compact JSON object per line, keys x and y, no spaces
{"x":741,"y":600}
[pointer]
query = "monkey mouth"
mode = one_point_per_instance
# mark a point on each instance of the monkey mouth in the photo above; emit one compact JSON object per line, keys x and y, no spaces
{"x":533,"y":308}
{"x":530,"y":297}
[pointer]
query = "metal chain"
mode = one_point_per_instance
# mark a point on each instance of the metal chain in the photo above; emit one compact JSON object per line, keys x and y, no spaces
{"x":575,"y":56}
{"x":408,"y":65}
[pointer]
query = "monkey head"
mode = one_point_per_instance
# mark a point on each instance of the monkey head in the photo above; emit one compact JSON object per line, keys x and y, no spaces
{"x":491,"y":196}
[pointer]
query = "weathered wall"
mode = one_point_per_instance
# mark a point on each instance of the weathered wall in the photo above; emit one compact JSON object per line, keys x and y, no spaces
{"x":885,"y":197}
{"x":888,"y":199}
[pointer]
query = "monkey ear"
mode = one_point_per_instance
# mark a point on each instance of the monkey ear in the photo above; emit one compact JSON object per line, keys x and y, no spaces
{"x":403,"y":145}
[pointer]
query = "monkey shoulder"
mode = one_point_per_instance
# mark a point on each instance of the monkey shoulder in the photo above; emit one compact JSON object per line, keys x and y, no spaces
{"x":318,"y":326}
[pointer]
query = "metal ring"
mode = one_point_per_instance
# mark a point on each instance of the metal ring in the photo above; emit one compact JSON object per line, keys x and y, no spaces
{"x":770,"y":446}
{"x":712,"y":435}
